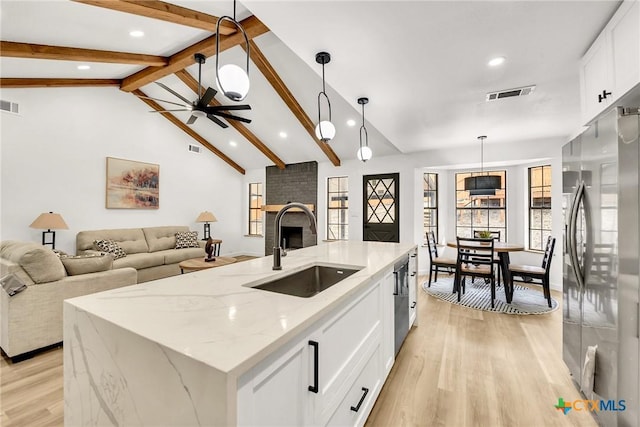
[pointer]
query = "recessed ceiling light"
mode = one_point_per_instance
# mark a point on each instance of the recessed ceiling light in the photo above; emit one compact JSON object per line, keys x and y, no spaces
{"x":498,"y":60}
{"x":136,"y":33}
{"x":233,"y":143}
{"x":351,"y":122}
{"x":283,"y":134}
{"x":84,"y":67}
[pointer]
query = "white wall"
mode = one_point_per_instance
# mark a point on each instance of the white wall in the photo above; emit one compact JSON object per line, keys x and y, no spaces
{"x":53,"y":159}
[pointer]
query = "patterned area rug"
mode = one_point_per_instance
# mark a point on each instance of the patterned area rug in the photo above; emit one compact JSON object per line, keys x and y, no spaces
{"x":478,"y":296}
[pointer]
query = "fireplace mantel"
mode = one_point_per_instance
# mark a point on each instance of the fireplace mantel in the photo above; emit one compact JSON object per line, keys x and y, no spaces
{"x":276,"y":208}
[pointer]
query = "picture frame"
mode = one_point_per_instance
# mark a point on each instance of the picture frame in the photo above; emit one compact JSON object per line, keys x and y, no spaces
{"x":132,"y":184}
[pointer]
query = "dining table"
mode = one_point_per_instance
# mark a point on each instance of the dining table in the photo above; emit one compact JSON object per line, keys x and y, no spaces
{"x":502,"y":249}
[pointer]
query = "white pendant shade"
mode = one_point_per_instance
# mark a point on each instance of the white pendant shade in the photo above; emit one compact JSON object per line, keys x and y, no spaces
{"x":328,"y":131}
{"x":233,"y":82}
{"x":364,"y":153}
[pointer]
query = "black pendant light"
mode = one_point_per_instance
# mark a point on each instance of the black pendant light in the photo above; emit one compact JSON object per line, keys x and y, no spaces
{"x":364,"y":152}
{"x":482,"y":185}
{"x":232,"y":80}
{"x":325,"y":130}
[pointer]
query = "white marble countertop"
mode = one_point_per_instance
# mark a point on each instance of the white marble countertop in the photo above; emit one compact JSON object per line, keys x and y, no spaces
{"x":213,"y":316}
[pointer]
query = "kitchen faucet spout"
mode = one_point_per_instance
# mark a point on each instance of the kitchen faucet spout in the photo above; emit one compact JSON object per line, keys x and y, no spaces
{"x":277,"y":249}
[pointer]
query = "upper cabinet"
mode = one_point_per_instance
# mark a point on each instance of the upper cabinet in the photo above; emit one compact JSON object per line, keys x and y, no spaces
{"x":611,"y":66}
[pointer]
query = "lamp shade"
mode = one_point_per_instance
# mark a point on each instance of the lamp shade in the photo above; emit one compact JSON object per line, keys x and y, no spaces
{"x":328,"y":131}
{"x":49,"y":221}
{"x":206,"y":216}
{"x":483,"y":185}
{"x":364,"y":153}
{"x":233,"y":82}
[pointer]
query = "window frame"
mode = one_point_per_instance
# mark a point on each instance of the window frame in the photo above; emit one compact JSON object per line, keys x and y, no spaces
{"x":427,"y":228}
{"x":471,"y":227}
{"x":542,"y":187}
{"x":342,"y":225}
{"x":259,"y":225}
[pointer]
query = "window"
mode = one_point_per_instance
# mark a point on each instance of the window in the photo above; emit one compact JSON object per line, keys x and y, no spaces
{"x":255,"y":211}
{"x":430,"y":203}
{"x":338,"y":208}
{"x":481,"y":212}
{"x":539,"y":207}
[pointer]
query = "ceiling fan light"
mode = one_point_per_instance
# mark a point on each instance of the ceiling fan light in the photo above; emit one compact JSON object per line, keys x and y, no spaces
{"x":364,"y":154}
{"x":328,"y":131}
{"x":233,"y":82}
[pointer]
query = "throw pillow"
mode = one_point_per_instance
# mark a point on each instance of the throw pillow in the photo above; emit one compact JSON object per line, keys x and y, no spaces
{"x":83,"y":264}
{"x":109,"y":246}
{"x":187,"y":239}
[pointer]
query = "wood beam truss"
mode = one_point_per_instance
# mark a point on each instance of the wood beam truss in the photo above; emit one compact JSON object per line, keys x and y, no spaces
{"x":39,"y":82}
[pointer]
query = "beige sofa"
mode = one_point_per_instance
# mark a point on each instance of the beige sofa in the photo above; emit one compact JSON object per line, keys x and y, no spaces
{"x":32,"y":318}
{"x":151,"y":250}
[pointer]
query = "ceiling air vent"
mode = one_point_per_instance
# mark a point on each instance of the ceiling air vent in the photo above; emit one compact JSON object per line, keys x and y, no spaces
{"x":9,"y":107}
{"x":194,"y":148}
{"x":521,"y":91}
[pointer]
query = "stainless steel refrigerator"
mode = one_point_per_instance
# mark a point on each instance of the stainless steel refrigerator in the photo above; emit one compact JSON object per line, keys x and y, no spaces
{"x":601,"y":283}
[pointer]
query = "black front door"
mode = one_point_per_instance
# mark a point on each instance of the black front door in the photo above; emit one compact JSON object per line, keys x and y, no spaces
{"x":381,"y":208}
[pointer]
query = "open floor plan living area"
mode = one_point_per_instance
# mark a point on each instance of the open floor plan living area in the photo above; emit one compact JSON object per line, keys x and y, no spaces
{"x":304,"y":213}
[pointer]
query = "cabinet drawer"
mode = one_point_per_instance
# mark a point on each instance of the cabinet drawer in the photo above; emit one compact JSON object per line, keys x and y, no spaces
{"x":354,"y":409}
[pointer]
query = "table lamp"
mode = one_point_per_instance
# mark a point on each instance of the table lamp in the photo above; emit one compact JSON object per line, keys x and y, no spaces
{"x":206,"y":217}
{"x":49,"y":221}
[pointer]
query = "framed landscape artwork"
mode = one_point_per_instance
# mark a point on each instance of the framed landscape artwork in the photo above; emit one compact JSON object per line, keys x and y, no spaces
{"x":132,"y":185}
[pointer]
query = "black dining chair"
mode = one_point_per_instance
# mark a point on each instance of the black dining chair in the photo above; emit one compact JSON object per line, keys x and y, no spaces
{"x":537,"y":275}
{"x":475,"y":259}
{"x":438,"y":263}
{"x":494,"y":234}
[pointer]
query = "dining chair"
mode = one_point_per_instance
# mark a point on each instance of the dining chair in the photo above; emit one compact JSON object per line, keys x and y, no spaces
{"x":475,"y":259}
{"x":536,"y":273}
{"x":496,"y":259}
{"x":438,"y":263}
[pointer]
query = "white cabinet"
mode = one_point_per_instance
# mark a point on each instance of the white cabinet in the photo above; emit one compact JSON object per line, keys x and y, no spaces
{"x":611,"y":66}
{"x":388,"y":342}
{"x":413,"y":286}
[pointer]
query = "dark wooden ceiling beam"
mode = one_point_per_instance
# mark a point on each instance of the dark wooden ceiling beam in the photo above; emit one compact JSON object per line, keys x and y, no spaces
{"x":173,"y":119}
{"x":165,"y":12}
{"x":22,"y":82}
{"x":283,"y":91}
{"x":40,"y":51}
{"x":242,"y":129}
{"x":181,"y":60}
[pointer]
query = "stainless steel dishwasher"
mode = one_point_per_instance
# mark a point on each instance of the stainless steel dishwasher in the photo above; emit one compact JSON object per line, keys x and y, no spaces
{"x":401,"y":301}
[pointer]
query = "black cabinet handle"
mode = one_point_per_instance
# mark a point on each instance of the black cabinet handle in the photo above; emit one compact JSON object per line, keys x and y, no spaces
{"x":357,"y":408}
{"x":395,"y":283}
{"x":603,"y":96}
{"x":314,"y":388}
{"x":413,"y":305}
{"x":413,"y":274}
{"x":413,"y":255}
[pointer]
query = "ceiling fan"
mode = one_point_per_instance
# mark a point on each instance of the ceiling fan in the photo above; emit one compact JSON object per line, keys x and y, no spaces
{"x":200,"y":107}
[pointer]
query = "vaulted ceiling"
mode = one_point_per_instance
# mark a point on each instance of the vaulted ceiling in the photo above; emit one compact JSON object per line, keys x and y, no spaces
{"x":422,"y":64}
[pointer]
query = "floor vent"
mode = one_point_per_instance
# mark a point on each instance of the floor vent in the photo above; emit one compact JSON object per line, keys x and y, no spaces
{"x":194,"y":148}
{"x":9,"y":107}
{"x":521,"y":91}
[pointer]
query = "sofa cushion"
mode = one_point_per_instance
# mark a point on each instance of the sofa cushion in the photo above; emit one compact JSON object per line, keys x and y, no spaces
{"x":131,"y":240}
{"x":172,"y":256}
{"x":84,"y":264}
{"x":139,"y":261}
{"x":39,"y":262}
{"x":111,"y":247}
{"x":187,"y":239}
{"x":161,"y":238}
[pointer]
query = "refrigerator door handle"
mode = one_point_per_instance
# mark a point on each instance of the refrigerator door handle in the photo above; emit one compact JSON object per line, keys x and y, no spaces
{"x":573,"y":250}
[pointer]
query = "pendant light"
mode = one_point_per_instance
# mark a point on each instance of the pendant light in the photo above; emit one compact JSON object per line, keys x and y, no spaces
{"x":325,"y":130}
{"x":231,"y":79}
{"x":364,"y":152}
{"x":482,"y":185}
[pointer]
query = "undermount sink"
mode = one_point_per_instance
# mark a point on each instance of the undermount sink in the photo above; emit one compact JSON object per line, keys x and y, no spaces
{"x":308,"y":282}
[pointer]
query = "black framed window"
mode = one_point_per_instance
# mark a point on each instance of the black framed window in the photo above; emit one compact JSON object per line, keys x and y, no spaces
{"x":338,"y":208}
{"x":255,"y":209}
{"x":539,"y":206}
{"x":430,"y":203}
{"x":481,"y":212}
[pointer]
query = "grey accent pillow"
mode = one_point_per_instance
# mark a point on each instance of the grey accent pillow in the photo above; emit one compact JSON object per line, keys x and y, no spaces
{"x":83,"y":264}
{"x":187,"y":239}
{"x":111,"y":247}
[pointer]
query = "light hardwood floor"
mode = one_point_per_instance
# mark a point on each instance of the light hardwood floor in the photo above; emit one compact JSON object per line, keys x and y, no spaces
{"x":460,"y":367}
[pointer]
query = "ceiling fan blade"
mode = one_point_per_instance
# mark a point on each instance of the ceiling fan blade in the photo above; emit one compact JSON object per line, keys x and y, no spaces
{"x":163,"y":100}
{"x":217,"y":121}
{"x":207,"y":97}
{"x":192,"y":119}
{"x":166,"y":111}
{"x":228,"y":107}
{"x":231,"y":117}
{"x":173,"y":92}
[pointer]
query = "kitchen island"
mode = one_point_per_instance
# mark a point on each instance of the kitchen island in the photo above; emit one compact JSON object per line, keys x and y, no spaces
{"x":206,"y":348}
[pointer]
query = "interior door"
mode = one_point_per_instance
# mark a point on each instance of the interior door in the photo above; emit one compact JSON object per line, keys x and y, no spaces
{"x":381,"y":208}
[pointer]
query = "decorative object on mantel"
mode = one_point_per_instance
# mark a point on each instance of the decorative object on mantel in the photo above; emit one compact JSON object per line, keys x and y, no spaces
{"x":208,"y":248}
{"x":325,"y":130}
{"x":482,"y":185}
{"x":206,"y":217}
{"x":232,"y":80}
{"x":132,"y":184}
{"x":276,"y":208}
{"x":364,"y":152}
{"x":49,"y":221}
